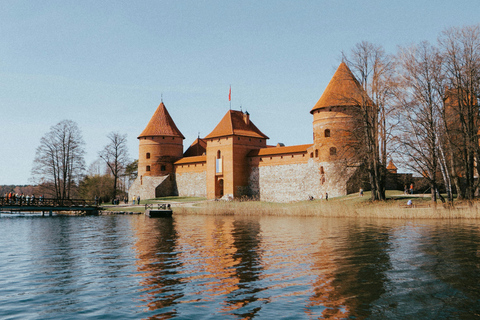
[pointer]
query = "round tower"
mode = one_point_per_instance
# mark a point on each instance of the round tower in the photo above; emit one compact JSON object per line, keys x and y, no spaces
{"x":160,"y":145}
{"x":337,"y":118}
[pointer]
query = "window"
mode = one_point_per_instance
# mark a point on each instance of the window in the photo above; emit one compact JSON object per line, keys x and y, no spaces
{"x":316,"y":153}
{"x":162,"y":168}
{"x":148,"y":155}
{"x":333,"y":151}
{"x":327,"y":133}
{"x":311,"y":154}
{"x":321,"y":170}
{"x":218,"y":163}
{"x":148,"y":168}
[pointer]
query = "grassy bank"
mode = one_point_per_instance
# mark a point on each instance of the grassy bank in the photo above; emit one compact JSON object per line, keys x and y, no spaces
{"x":351,"y":206}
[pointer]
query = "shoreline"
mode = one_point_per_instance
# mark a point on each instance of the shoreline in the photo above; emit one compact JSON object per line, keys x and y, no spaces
{"x":351,"y":206}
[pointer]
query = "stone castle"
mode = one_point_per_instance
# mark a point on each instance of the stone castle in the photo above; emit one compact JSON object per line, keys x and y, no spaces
{"x":234,"y":160}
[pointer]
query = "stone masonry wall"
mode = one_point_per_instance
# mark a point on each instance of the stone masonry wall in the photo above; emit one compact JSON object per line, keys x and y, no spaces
{"x":192,"y":184}
{"x":296,"y":182}
{"x":146,"y":187}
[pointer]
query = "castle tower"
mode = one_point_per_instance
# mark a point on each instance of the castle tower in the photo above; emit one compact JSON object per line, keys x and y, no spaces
{"x":337,"y":128}
{"x":160,"y":145}
{"x":227,"y":148}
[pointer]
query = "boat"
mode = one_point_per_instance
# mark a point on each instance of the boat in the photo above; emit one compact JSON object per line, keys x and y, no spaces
{"x":162,"y":211}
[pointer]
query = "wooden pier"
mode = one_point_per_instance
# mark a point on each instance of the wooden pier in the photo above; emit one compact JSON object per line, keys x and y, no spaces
{"x":48,"y":205}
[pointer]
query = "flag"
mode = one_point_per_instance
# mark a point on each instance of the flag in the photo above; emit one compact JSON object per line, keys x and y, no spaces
{"x":230,"y":94}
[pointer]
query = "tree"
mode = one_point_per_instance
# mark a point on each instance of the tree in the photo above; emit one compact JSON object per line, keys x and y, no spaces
{"x":374,"y":69}
{"x":59,"y":160}
{"x":461,"y":56}
{"x":115,"y":155}
{"x":422,"y":104}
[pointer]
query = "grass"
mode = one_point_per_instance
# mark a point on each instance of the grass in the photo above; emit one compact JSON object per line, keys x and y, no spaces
{"x":351,"y":206}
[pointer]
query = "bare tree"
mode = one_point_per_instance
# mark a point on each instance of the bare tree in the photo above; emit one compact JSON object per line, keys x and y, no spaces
{"x":374,"y":69}
{"x":115,"y":155}
{"x":461,"y":55}
{"x":422,"y":103}
{"x":59,"y":160}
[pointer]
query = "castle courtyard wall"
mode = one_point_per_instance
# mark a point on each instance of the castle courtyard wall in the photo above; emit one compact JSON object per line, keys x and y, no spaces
{"x":300,"y":181}
{"x":192,"y":184}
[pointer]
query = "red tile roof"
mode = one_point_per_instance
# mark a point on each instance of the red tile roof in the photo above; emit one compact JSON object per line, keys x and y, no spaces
{"x":161,"y":124}
{"x":342,"y":90}
{"x":197,"y":148}
{"x":391,"y":166}
{"x":233,"y":123}
{"x":280,"y":150}
{"x":195,"y":159}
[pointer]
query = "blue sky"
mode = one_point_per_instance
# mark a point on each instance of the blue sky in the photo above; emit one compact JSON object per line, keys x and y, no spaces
{"x":106,"y":64}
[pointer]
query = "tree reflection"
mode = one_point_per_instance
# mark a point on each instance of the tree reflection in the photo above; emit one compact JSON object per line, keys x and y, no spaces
{"x":360,"y":278}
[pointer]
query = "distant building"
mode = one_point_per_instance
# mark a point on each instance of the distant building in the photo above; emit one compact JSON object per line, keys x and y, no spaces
{"x":234,"y":159}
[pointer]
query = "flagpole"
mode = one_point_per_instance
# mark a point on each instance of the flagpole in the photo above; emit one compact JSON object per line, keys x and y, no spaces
{"x":230,"y":96}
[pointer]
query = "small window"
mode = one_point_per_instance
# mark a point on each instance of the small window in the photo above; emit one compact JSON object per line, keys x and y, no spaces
{"x":333,"y":151}
{"x":163,"y":137}
{"x":162,"y":168}
{"x":219,"y":154}
{"x":316,"y":153}
{"x":321,"y":170}
{"x":148,"y":168}
{"x":327,"y":133}
{"x":148,"y":155}
{"x":311,"y":154}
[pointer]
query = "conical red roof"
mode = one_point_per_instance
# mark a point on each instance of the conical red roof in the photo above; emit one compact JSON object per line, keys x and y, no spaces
{"x":161,"y":124}
{"x":343,"y":90}
{"x":233,"y":123}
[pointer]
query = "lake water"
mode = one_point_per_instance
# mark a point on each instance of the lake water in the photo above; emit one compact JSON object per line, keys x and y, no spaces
{"x":206,"y":267}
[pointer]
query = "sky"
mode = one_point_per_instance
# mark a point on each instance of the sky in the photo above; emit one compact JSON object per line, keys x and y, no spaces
{"x":107,"y":65}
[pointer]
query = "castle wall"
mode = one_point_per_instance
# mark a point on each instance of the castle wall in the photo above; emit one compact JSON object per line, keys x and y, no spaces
{"x":298,"y":181}
{"x":192,"y":184}
{"x":191,"y":177}
{"x":151,"y":187}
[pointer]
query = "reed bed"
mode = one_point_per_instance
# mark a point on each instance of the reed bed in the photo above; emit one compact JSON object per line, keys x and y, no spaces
{"x":335,"y":208}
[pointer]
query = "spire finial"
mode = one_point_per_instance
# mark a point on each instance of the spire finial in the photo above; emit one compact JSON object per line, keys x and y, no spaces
{"x":161,"y":97}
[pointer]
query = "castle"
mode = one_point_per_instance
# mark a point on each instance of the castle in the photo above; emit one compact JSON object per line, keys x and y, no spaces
{"x":234,"y":159}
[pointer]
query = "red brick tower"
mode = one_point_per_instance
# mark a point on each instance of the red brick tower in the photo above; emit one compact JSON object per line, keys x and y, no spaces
{"x":337,"y":128}
{"x":160,"y":145}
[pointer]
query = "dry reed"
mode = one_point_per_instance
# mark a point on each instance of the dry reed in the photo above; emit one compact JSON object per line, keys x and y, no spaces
{"x":338,"y":208}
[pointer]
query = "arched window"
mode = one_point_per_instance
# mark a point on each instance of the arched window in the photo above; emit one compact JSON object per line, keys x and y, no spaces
{"x":327,"y":133}
{"x":321,"y":170}
{"x":311,"y":154}
{"x":219,"y":154}
{"x":148,"y":155}
{"x":316,"y":153}
{"x":333,"y":151}
{"x":148,"y":168}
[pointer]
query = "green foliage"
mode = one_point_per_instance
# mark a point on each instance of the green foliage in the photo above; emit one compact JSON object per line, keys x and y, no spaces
{"x":97,"y":185}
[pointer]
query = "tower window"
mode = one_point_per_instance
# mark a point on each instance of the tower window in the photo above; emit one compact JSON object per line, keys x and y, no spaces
{"x":333,"y":151}
{"x":148,"y":168}
{"x":148,"y":155}
{"x":316,"y":153}
{"x":327,"y":133}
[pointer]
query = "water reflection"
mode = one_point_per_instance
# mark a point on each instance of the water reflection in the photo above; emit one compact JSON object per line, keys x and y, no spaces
{"x":158,"y":264}
{"x":191,"y":267}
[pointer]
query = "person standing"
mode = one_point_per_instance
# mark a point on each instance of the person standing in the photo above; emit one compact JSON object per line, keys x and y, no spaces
{"x":326,"y":196}
{"x":411,"y":188}
{"x":138,"y":200}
